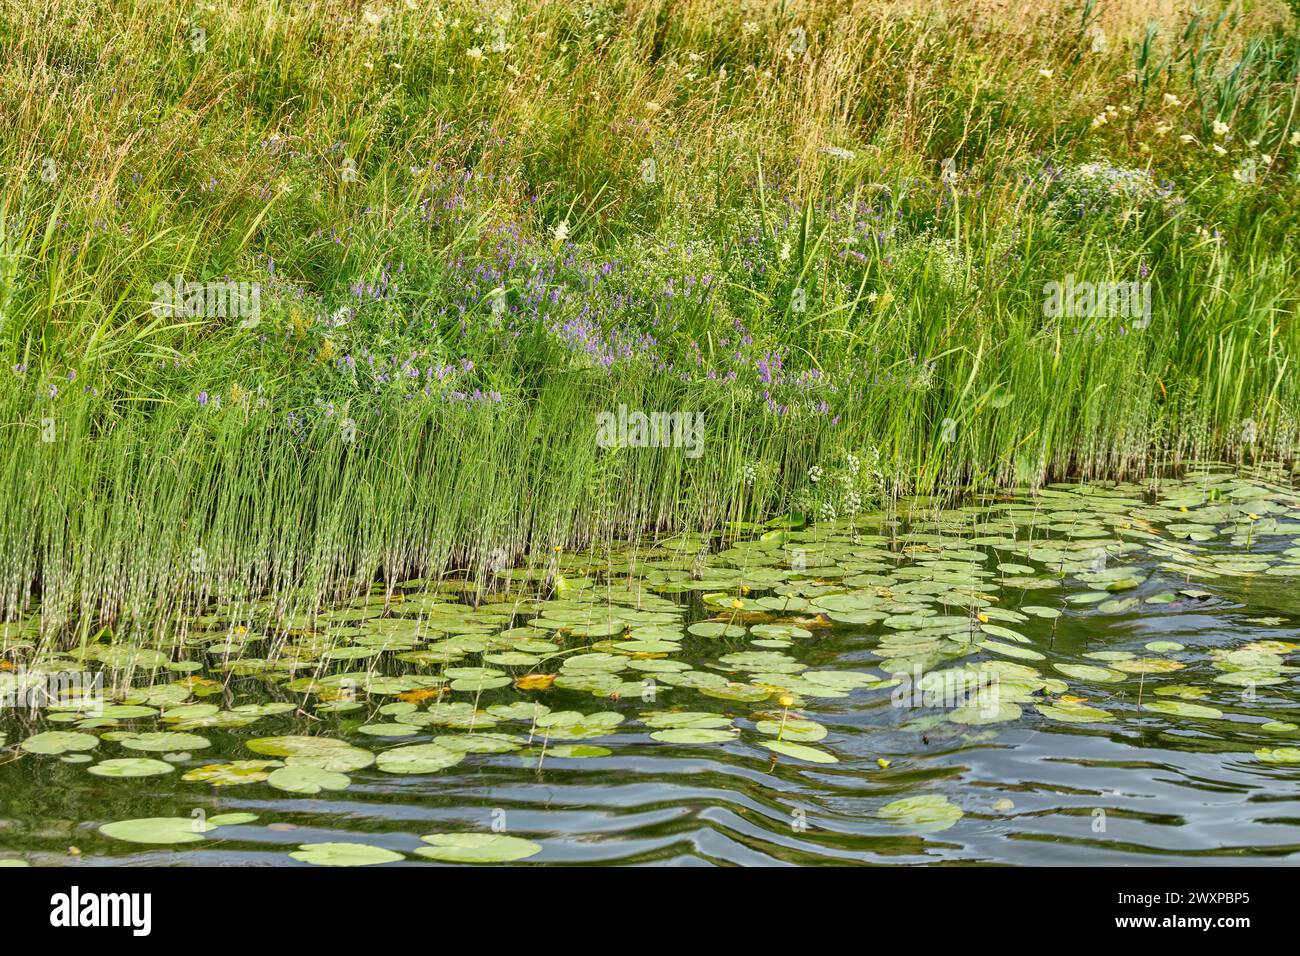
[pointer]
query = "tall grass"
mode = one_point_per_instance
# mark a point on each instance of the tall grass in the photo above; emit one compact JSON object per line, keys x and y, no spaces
{"x":742,"y":212}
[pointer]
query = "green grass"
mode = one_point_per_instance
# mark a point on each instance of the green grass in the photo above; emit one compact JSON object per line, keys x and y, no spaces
{"x":797,"y":210}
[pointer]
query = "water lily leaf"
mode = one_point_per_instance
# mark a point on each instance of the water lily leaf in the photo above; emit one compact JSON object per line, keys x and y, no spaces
{"x":577,"y":750}
{"x":344,"y":854}
{"x":295,"y":746}
{"x":1181,"y":709}
{"x":1089,"y":673}
{"x":779,"y":631}
{"x":58,"y":742}
{"x":1164,"y":597}
{"x":664,"y":719}
{"x":477,"y":848}
{"x":715,"y":629}
{"x":1011,"y":650}
{"x":796,"y":728}
{"x":572,"y":725}
{"x":231,"y":819}
{"x":991,"y":712}
{"x":1048,"y":613}
{"x":1148,"y":665}
{"x":929,"y":812}
{"x":131,"y":767}
{"x":160,"y":741}
{"x":189,"y":712}
{"x":232,"y":774}
{"x":840,"y":680}
{"x":519,"y":710}
{"x":159,"y":830}
{"x":693,"y":735}
{"x":418,"y":758}
{"x":298,"y":778}
{"x":996,"y":630}
{"x":731,"y":690}
{"x":799,"y":751}
{"x":1074,"y":713}
{"x":1279,"y":755}
{"x":388,"y":730}
{"x":479,"y":743}
{"x":268,"y":709}
{"x":1278,"y":727}
{"x":477,"y":684}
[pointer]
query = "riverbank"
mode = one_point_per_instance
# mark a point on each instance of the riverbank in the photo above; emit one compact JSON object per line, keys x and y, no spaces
{"x":417,"y":259}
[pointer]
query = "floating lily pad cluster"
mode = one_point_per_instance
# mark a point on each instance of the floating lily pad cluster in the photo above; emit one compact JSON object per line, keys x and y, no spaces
{"x":1017,"y":610}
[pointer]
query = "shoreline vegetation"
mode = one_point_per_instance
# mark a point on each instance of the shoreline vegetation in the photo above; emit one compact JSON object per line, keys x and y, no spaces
{"x":825,"y":235}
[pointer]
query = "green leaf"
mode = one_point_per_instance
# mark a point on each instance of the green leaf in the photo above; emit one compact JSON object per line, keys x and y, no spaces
{"x":131,"y":767}
{"x":418,"y":758}
{"x":477,"y":848}
{"x":930,"y":812}
{"x":159,"y":830}
{"x":799,"y":751}
{"x":58,"y":742}
{"x":344,"y":854}
{"x":297,"y":778}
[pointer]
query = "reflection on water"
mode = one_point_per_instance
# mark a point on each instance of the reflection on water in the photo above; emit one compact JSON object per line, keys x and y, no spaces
{"x":1106,"y":676}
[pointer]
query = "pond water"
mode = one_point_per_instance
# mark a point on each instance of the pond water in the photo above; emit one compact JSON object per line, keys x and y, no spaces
{"x":1092,"y":674}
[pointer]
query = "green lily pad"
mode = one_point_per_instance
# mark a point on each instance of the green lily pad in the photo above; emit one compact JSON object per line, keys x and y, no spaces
{"x":715,"y":629}
{"x":577,"y":751}
{"x":796,"y":728}
{"x":1074,"y":713}
{"x":418,"y":758}
{"x":344,"y":854}
{"x":693,"y":735}
{"x":297,"y":778}
{"x":131,"y":767}
{"x":232,"y":774}
{"x":1089,"y":673}
{"x":388,"y":730}
{"x":799,"y":751}
{"x":58,"y":742}
{"x":1278,"y":727}
{"x":1279,"y":755}
{"x":479,"y":743}
{"x":929,"y":812}
{"x":161,"y":741}
{"x":477,"y":848}
{"x":160,"y":830}
{"x":1182,"y":709}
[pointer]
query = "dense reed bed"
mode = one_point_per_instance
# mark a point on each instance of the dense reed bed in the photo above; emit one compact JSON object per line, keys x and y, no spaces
{"x":829,"y":229}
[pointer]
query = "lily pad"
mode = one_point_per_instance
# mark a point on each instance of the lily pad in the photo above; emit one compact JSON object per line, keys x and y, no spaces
{"x":693,"y":735}
{"x":160,"y":830}
{"x":233,"y":774}
{"x":1182,"y":709}
{"x":297,"y":778}
{"x":418,"y":758}
{"x":344,"y":854}
{"x":477,"y":848}
{"x":799,"y":751}
{"x":929,"y":812}
{"x":131,"y":767}
{"x":161,"y":741}
{"x":59,"y":742}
